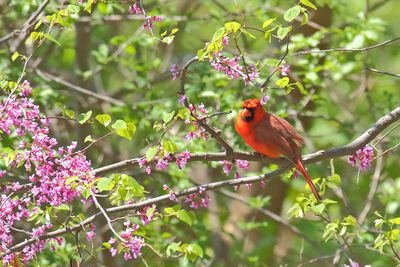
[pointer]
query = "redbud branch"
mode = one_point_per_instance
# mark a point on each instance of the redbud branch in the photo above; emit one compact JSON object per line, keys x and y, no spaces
{"x":264,"y":85}
{"x":214,"y":134}
{"x":105,"y":98}
{"x":316,"y":51}
{"x":382,"y":72}
{"x":102,"y":210}
{"x":381,"y":124}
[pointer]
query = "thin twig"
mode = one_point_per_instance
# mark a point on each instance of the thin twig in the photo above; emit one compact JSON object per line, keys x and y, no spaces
{"x":372,"y":191}
{"x":182,"y":92}
{"x":348,"y":149}
{"x":348,"y":50}
{"x":104,"y":212}
{"x":264,"y":85}
{"x":49,"y":77}
{"x":382,"y":72}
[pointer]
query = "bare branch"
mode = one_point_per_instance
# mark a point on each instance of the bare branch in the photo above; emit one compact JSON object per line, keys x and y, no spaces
{"x":382,"y":72}
{"x":316,"y":51}
{"x":214,"y":134}
{"x":105,"y":98}
{"x":102,"y":210}
{"x":348,"y":149}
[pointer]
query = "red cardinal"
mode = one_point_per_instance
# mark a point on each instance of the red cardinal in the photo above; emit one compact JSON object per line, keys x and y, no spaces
{"x":271,"y":136}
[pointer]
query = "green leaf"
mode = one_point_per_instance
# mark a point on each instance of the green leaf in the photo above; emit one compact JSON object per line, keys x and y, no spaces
{"x":150,"y":211}
{"x":292,"y":13}
{"x":218,"y":34}
{"x":196,"y":249}
{"x":14,"y":56}
{"x":232,"y":26}
{"x":318,"y":208}
{"x":85,"y":193}
{"x":304,"y":20}
{"x":379,"y":223}
{"x":247,"y":33}
{"x":88,"y":139}
{"x":268,"y":22}
{"x":282,"y":83}
{"x":151,"y":153}
{"x":51,"y":38}
{"x":84,"y":117}
{"x":105,"y":184}
{"x":168,"y":117}
{"x":127,"y":132}
{"x":104,"y":119}
{"x":69,"y":113}
{"x":283,"y":31}
{"x":170,"y":211}
{"x":308,"y":3}
{"x":173,"y":247}
{"x":136,"y":188}
{"x":349,"y":220}
{"x":301,"y":88}
{"x":169,"y":146}
{"x":185,"y":216}
{"x":174,"y":30}
{"x":168,"y":40}
{"x":119,"y":124}
{"x":106,"y":245}
{"x":334,"y":179}
{"x":395,"y":220}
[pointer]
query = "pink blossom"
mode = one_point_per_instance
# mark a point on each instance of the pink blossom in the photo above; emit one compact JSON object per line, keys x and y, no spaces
{"x":243,"y":164}
{"x":285,"y":70}
{"x":142,"y":162}
{"x":162,"y":164}
{"x":364,"y":156}
{"x":225,"y":40}
{"x":165,"y":187}
{"x":202,"y":109}
{"x":227,"y":167}
{"x":182,"y":99}
{"x":148,"y":170}
{"x":113,"y":251}
{"x":150,"y":21}
{"x":264,"y":99}
{"x":135,"y":8}
{"x":176,"y":72}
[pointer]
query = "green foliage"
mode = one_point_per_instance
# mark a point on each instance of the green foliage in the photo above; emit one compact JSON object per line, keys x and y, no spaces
{"x":328,"y":96}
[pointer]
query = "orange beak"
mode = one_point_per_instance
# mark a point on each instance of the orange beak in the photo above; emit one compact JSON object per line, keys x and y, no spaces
{"x":246,"y":113}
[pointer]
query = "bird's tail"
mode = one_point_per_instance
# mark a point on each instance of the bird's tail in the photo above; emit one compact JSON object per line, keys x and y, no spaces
{"x":301,"y":168}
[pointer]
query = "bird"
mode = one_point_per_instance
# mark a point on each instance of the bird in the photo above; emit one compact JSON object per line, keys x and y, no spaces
{"x":272,"y":136}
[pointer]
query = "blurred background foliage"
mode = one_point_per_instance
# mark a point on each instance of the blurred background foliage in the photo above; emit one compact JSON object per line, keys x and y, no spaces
{"x":109,"y":53}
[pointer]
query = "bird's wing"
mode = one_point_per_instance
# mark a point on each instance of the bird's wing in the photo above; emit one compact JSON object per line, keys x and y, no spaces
{"x":278,"y":133}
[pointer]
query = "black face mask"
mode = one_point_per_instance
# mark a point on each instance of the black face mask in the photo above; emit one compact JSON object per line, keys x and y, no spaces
{"x":251,"y":117}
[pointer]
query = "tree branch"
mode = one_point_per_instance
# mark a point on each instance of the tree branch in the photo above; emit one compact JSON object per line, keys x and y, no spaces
{"x":348,"y":149}
{"x":382,"y":72}
{"x":315,"y":51}
{"x":105,"y":98}
{"x":182,"y":92}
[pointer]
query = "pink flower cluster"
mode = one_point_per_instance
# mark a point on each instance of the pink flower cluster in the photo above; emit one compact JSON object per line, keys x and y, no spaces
{"x":232,"y":68}
{"x":135,"y":8}
{"x":48,"y":169}
{"x":198,"y":132}
{"x":364,"y":156}
{"x":175,"y":71}
{"x":132,"y":244}
{"x":162,"y":163}
{"x":197,"y":200}
{"x":150,"y":21}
